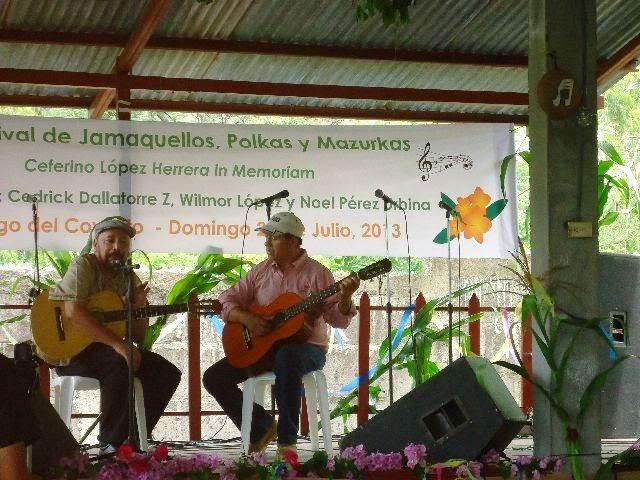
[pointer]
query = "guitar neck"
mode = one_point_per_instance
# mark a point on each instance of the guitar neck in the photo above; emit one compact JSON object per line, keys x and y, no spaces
{"x":309,"y":302}
{"x":144,"y":312}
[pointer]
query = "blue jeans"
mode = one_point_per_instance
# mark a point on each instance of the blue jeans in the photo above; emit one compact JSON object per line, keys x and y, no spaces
{"x":291,"y":362}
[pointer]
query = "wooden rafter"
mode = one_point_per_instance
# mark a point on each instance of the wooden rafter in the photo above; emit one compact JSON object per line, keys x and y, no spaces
{"x":262,"y":109}
{"x":131,"y":52}
{"x":268,"y":48}
{"x":619,"y":61}
{"x":137,"y":82}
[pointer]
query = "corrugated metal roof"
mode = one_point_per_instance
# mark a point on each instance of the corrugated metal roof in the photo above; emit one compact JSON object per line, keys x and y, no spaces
{"x":481,"y":27}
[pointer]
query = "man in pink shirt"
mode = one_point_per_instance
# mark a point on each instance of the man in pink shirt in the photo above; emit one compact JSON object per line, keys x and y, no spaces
{"x":288,"y":268}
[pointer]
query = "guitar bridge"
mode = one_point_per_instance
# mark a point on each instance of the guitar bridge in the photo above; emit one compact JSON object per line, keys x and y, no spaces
{"x":59,"y":324}
{"x":246,"y":337}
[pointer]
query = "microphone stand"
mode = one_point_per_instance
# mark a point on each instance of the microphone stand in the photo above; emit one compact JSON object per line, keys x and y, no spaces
{"x":449,"y":304}
{"x":388,"y":306}
{"x":35,"y":290}
{"x":267,"y":205}
{"x":127,"y":269}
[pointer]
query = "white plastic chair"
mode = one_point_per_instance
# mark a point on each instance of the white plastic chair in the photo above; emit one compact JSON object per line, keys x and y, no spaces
{"x":65,"y":385}
{"x":315,"y":388}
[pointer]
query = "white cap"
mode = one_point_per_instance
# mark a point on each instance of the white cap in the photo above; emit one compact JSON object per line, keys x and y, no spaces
{"x":284,"y":222}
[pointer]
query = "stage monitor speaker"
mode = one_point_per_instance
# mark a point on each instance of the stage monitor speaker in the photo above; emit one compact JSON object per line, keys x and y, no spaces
{"x":462,"y":412}
{"x":55,"y":441}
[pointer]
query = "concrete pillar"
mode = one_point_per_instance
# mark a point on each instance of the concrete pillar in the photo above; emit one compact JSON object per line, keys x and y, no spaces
{"x":562,"y":35}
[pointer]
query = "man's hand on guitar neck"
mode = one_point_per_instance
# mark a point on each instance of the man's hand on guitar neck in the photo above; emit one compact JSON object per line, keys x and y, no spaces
{"x":348,"y":286}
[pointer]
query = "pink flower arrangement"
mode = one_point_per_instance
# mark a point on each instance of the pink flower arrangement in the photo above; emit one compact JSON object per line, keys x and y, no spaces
{"x":351,"y":463}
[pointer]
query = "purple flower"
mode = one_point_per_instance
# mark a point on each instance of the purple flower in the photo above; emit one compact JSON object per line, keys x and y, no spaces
{"x":331,"y":464}
{"x":469,"y":470}
{"x":559,"y":463}
{"x":415,"y":455}
{"x":357,"y":455}
{"x":536,"y":475}
{"x":462,"y":471}
{"x":384,"y":461}
{"x":475,"y":469}
{"x":524,"y":460}
{"x":259,"y":458}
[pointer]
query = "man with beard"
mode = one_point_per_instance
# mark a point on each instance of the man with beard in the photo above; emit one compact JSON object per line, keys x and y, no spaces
{"x":106,"y":359}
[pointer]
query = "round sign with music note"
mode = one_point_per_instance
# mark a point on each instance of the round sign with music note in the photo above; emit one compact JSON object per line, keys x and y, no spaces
{"x":559,"y":94}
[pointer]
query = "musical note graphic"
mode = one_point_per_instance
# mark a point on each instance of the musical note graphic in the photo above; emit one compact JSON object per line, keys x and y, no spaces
{"x":432,"y":164}
{"x":424,"y":165}
{"x":565,"y":90}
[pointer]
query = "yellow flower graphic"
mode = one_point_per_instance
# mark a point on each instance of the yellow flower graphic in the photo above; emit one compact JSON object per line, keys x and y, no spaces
{"x":478,"y":197}
{"x":471,"y":219}
{"x":475,"y":223}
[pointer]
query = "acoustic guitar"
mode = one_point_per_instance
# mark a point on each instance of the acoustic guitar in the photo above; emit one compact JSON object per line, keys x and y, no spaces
{"x":58,"y":339}
{"x":287,"y":319}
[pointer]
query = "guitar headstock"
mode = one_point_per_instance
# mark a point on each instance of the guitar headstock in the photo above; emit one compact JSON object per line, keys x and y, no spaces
{"x":375,"y":269}
{"x":206,"y":307}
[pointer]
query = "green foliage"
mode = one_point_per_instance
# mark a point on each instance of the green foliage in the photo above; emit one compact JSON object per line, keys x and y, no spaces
{"x":60,"y":262}
{"x":353,"y":264}
{"x":612,"y":177}
{"x":210,"y":270}
{"x":317,"y":465}
{"x":420,"y":367}
{"x":391,"y":11}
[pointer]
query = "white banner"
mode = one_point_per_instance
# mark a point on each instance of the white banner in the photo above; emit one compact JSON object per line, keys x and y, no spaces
{"x":186,"y":187}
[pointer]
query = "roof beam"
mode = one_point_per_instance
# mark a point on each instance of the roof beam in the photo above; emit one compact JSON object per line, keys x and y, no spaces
{"x":59,"y":78}
{"x":619,"y":61}
{"x":137,"y":82}
{"x":327,"y":112}
{"x":260,"y":109}
{"x":145,"y":27}
{"x":328,"y":91}
{"x":268,"y":48}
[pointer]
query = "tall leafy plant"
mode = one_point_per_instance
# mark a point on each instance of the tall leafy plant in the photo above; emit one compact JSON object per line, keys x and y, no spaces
{"x":548,"y":325}
{"x":412,"y":350}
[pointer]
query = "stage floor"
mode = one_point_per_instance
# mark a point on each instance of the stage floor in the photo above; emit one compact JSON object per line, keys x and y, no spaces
{"x":231,"y":449}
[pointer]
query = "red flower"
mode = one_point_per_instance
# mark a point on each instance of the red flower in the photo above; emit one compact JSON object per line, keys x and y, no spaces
{"x":572,"y":434}
{"x":125,"y":452}
{"x":140,"y":465}
{"x":291,"y":458}
{"x":161,"y":452}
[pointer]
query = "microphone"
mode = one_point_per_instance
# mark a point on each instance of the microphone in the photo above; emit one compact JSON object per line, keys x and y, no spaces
{"x":380,"y":194}
{"x":444,"y":206}
{"x":447,"y":208}
{"x":275,"y":196}
{"x":120,"y":265}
